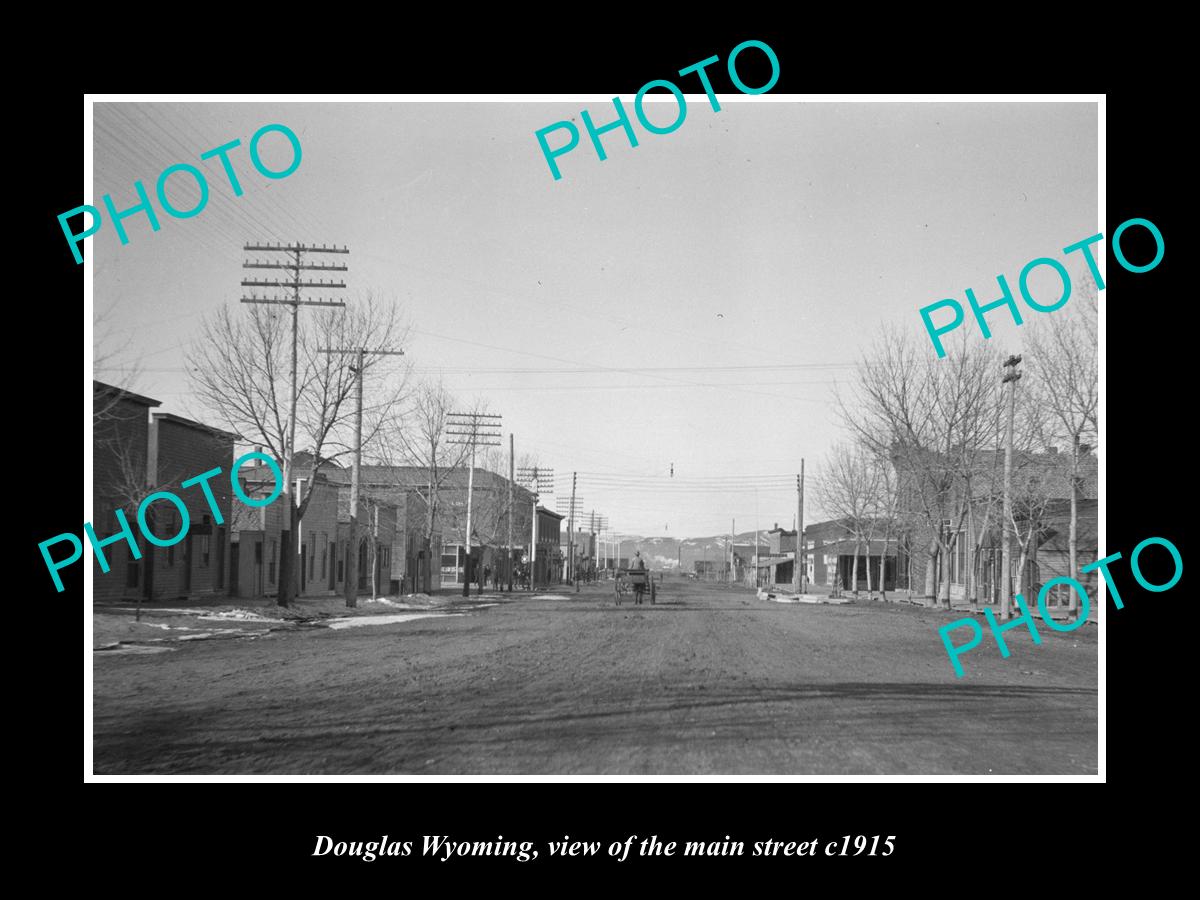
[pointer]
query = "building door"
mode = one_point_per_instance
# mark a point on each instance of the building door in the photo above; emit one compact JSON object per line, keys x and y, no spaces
{"x":220,"y":559}
{"x":259,"y":587}
{"x":185,"y":575}
{"x":303,"y":567}
{"x":363,"y":560}
{"x":233,"y":569}
{"x":148,"y":568}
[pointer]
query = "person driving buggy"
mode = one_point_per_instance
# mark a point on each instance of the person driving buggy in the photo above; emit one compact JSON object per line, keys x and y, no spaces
{"x":637,"y":564}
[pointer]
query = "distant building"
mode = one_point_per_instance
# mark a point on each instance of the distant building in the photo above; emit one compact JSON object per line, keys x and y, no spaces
{"x":136,"y":453}
{"x":711,"y":569}
{"x":376,"y":535}
{"x":547,"y":566}
{"x":830,"y":552}
{"x":583,"y":545}
{"x":120,"y":479}
{"x":781,"y":542}
{"x":743,"y":562}
{"x":1041,"y":491}
{"x":442,"y":560}
{"x":256,"y":551}
{"x":180,"y":449}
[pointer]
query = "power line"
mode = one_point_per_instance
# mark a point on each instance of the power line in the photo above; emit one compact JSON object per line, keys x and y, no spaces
{"x":457,"y":370}
{"x":599,"y":368}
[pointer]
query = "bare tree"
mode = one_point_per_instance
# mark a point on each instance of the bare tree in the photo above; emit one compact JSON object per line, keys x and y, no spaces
{"x":846,"y":488}
{"x":417,"y":436}
{"x":1033,"y":494}
{"x":933,"y":418}
{"x":109,"y":351}
{"x":1062,"y":353}
{"x":240,"y":370}
{"x":885,"y":511}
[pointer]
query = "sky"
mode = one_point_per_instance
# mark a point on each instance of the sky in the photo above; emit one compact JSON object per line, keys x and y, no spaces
{"x":670,"y":323}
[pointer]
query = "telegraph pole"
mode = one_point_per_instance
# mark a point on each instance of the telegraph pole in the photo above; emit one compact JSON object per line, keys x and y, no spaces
{"x":509,"y":546}
{"x":599,"y":524}
{"x":539,"y":480}
{"x":575,"y":503}
{"x":1010,"y":379}
{"x":756,"y":585}
{"x":295,"y":285}
{"x":570,"y":546}
{"x":477,"y":430}
{"x":571,"y":536}
{"x":801,"y":547}
{"x":350,"y":585}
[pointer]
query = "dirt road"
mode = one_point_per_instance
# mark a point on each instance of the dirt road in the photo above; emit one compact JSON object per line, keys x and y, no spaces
{"x":707,"y":681}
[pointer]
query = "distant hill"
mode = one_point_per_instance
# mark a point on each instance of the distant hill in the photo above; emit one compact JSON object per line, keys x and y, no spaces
{"x":669,"y":552}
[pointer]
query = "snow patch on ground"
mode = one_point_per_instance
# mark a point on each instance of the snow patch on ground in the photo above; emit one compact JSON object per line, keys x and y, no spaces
{"x":394,"y":604}
{"x":146,"y":610}
{"x":359,"y":621}
{"x":550,"y":597}
{"x":131,"y":648}
{"x":785,"y":597}
{"x":242,"y":614}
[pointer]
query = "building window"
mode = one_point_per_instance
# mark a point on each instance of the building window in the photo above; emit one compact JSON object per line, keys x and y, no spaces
{"x":324,"y":553}
{"x":205,"y":542}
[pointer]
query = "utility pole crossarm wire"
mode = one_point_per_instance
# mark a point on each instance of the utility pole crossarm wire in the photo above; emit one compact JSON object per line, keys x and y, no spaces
{"x":475,"y":430}
{"x":295,"y":285}
{"x":349,"y":587}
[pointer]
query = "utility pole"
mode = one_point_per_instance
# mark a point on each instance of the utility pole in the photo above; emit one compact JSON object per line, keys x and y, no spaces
{"x":598,"y":529}
{"x":539,"y":480}
{"x":1010,"y":379}
{"x":756,"y":585}
{"x":573,"y":575}
{"x":295,"y":285}
{"x":801,"y":546}
{"x":476,"y":430}
{"x":574,"y":505}
{"x":350,"y":585}
{"x":571,"y":537}
{"x":508,"y":552}
{"x":599,"y":526}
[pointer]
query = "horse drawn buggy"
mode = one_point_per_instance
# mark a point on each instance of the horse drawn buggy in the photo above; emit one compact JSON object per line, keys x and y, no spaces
{"x":636,"y":582}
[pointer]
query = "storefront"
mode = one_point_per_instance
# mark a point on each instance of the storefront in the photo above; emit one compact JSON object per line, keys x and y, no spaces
{"x":454,"y":563}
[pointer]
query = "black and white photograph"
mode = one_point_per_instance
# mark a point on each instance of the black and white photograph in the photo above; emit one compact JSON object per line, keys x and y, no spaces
{"x":679,"y":434}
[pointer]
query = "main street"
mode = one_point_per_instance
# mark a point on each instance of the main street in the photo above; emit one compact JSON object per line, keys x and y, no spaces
{"x":710,"y":680}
